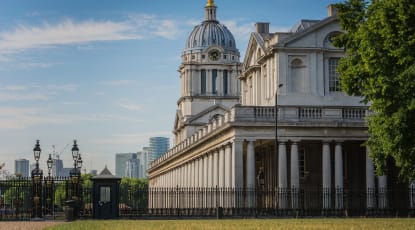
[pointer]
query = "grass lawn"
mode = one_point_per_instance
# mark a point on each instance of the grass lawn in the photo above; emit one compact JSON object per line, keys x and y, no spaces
{"x":328,"y":223}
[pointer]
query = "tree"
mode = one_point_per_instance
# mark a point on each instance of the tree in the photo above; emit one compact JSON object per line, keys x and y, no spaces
{"x":379,"y":66}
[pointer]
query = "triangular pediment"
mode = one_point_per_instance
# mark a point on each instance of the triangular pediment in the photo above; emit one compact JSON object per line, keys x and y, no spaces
{"x":206,"y":115}
{"x":312,"y":36}
{"x":256,"y":47}
{"x":178,"y":120}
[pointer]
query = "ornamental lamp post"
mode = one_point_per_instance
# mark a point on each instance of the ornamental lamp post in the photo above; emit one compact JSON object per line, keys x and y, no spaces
{"x":37,"y":184}
{"x":49,"y":187}
{"x":49,"y":162}
{"x":75,"y":152}
{"x":75,"y":177}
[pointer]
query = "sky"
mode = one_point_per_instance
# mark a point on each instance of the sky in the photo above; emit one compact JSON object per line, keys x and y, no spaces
{"x":104,"y":72}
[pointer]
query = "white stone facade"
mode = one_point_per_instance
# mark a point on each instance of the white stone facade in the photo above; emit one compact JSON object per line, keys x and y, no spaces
{"x":320,"y":129}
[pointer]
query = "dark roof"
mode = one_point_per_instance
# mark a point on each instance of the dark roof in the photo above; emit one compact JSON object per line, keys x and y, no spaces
{"x":106,"y":174}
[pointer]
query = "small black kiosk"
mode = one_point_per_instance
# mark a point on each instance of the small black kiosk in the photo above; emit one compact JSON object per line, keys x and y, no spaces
{"x":105,"y":195}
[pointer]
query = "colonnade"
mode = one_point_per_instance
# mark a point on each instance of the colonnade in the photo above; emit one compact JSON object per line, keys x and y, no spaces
{"x":223,"y":168}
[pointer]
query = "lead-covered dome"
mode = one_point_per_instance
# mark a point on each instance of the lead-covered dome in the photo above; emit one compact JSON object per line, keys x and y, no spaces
{"x":210,"y":33}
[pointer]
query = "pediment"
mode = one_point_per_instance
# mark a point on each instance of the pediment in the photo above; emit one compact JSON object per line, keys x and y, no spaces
{"x":313,"y":36}
{"x":206,"y":115}
{"x":178,"y":120}
{"x":256,"y":47}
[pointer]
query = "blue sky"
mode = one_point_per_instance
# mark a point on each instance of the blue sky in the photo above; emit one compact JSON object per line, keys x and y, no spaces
{"x":104,"y":72}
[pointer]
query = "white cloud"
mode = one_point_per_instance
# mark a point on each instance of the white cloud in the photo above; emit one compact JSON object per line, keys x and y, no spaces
{"x":13,"y":96}
{"x":15,"y":87}
{"x":152,"y":25}
{"x":132,"y":138}
{"x":241,"y":32}
{"x":32,"y":65}
{"x":66,"y":32}
{"x":126,"y":104}
{"x":65,"y":87}
{"x":118,"y":82}
{"x":21,"y":118}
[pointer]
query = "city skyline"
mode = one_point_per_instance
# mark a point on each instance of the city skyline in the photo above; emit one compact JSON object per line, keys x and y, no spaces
{"x":104,"y":73}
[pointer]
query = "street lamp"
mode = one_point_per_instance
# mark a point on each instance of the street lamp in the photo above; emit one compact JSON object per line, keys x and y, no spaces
{"x":37,"y":184}
{"x":36,"y":153}
{"x":49,"y":162}
{"x":75,"y":151}
{"x":75,"y":177}
{"x":49,"y":188}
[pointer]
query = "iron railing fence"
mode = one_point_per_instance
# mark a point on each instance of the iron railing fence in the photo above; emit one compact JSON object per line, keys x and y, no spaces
{"x":17,"y":197}
{"x":140,"y":202}
{"x":238,"y":202}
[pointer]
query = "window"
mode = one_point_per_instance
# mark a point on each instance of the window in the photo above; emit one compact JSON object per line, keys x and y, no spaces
{"x":105,"y":194}
{"x":225,"y":82}
{"x":334,"y":83}
{"x":203,"y":56}
{"x":214,"y":77}
{"x":203,"y":81}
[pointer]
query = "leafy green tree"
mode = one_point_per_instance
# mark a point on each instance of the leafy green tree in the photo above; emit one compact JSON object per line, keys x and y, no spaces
{"x":380,"y":66}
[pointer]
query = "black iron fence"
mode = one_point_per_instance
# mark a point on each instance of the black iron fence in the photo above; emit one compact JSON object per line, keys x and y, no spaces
{"x":16,"y":201}
{"x":235,"y":202}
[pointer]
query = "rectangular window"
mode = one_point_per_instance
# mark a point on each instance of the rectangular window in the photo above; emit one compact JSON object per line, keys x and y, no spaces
{"x":214,"y":77}
{"x":105,"y":194}
{"x":203,"y":81}
{"x":334,"y":83}
{"x":225,"y":82}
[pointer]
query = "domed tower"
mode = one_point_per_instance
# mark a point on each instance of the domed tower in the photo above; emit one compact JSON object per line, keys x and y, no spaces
{"x":208,"y":75}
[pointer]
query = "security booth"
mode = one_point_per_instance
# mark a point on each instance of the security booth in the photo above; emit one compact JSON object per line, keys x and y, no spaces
{"x":105,"y":195}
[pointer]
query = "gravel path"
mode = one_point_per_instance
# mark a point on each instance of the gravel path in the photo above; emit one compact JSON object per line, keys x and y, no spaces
{"x":23,"y":225}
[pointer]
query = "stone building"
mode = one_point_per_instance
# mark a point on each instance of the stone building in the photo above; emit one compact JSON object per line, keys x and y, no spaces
{"x":320,"y":130}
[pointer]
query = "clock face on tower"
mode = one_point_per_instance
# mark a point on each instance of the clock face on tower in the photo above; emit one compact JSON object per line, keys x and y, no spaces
{"x":214,"y":55}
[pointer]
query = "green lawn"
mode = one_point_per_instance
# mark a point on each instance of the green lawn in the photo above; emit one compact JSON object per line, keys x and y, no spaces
{"x":329,"y":223}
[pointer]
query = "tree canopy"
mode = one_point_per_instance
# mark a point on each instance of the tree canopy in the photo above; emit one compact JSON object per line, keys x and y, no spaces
{"x":379,"y":66}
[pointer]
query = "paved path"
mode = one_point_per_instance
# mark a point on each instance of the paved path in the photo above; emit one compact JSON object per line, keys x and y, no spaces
{"x":23,"y":225}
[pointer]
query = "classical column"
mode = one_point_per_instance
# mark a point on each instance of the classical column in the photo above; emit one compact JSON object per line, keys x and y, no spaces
{"x":210,"y":170}
{"x":200,"y":160}
{"x":237,"y":173}
{"x":282,"y":176}
{"x":205,"y":171}
{"x":250,"y":175}
{"x":338,"y":177}
{"x":221,"y":180}
{"x":326,"y":176}
{"x":221,"y":167}
{"x":370,"y":182}
{"x":295,"y":175}
{"x":250,"y":165}
{"x":228,"y":165}
{"x":216,"y":168}
{"x":237,"y":164}
{"x":383,"y":192}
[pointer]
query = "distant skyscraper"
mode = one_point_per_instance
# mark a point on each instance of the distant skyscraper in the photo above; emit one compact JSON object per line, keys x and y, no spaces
{"x":57,"y":167}
{"x":21,"y":167}
{"x":158,"y":146}
{"x":144,"y":157}
{"x":132,"y":167}
{"x":120,"y":163}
